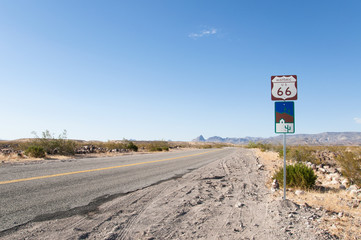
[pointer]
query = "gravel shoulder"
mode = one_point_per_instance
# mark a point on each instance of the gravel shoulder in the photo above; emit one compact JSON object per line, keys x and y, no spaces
{"x":226,"y":199}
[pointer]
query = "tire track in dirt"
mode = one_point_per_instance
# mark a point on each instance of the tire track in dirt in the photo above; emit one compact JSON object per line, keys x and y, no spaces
{"x":147,"y":199}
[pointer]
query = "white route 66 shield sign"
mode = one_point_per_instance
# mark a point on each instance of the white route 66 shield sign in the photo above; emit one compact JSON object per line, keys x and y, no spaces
{"x":284,"y":87}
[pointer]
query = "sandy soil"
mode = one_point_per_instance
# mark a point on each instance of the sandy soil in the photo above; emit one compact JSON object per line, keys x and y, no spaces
{"x":227,"y":199}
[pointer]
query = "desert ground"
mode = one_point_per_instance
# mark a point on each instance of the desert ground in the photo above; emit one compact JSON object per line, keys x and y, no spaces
{"x":230,"y":198}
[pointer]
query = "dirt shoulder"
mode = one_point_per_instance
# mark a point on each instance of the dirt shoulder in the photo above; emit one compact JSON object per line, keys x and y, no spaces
{"x":227,"y":199}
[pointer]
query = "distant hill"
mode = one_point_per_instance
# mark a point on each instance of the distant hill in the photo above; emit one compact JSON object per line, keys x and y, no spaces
{"x":327,"y":138}
{"x":227,"y":140}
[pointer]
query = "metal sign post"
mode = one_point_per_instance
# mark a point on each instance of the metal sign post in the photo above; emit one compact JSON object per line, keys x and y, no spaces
{"x":284,"y":88}
{"x":284,"y":166}
{"x":284,"y":123}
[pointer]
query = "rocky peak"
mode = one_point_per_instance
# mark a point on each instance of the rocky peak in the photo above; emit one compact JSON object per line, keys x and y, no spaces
{"x":199,"y":139}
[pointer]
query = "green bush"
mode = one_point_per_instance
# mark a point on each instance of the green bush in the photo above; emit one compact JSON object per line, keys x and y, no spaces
{"x":298,"y":175}
{"x":158,"y":146}
{"x":351,"y":166}
{"x":131,"y":146}
{"x":52,"y":145}
{"x":125,"y":144}
{"x":35,"y":151}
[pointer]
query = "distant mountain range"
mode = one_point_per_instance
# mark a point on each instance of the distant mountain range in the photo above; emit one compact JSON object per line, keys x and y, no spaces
{"x":327,"y":138}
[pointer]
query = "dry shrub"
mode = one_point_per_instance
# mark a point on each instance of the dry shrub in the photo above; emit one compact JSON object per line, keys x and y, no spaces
{"x":52,"y":145}
{"x":351,"y":166}
{"x":158,"y":146}
{"x":125,"y":144}
{"x":266,"y":147}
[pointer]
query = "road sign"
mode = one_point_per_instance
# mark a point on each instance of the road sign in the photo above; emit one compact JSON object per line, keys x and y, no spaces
{"x":284,"y":87}
{"x":284,"y":117}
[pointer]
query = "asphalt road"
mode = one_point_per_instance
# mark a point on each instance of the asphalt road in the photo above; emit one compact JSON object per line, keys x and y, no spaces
{"x":58,"y":188}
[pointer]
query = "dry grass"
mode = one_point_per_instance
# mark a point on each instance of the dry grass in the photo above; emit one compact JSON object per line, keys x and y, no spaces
{"x":271,"y":161}
{"x":347,"y":226}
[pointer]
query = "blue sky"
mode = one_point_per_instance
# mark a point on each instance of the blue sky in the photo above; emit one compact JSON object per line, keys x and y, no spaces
{"x":176,"y":69}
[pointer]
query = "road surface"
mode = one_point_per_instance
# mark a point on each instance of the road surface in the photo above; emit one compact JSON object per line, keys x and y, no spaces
{"x":61,"y":188}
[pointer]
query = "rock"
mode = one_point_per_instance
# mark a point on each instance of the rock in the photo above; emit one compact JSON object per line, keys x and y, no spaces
{"x":355,"y":203}
{"x":335,"y":176}
{"x":261,"y":167}
{"x":340,"y":214}
{"x":306,"y":206}
{"x":221,"y":197}
{"x":239,"y":205}
{"x":344,"y":181}
{"x":319,"y":209}
{"x":342,"y":187}
{"x":353,"y":193}
{"x":299,"y":192}
{"x":353,"y":187}
{"x":322,"y":170}
{"x":275,"y":185}
{"x":334,"y":182}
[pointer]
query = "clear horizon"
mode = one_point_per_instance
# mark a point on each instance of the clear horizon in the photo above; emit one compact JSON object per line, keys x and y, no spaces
{"x":205,"y":137}
{"x":152,"y":70}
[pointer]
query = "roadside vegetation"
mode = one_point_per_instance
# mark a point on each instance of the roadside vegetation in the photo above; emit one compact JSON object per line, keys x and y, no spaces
{"x":348,"y":158}
{"x":265,"y":146}
{"x":336,"y":191}
{"x":52,"y":145}
{"x":298,"y":175}
{"x":351,"y":166}
{"x":48,"y":145}
{"x":35,"y":151}
{"x":124,"y":144}
{"x":154,"y":146}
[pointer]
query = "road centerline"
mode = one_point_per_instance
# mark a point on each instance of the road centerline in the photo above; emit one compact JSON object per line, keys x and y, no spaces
{"x":98,"y":169}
